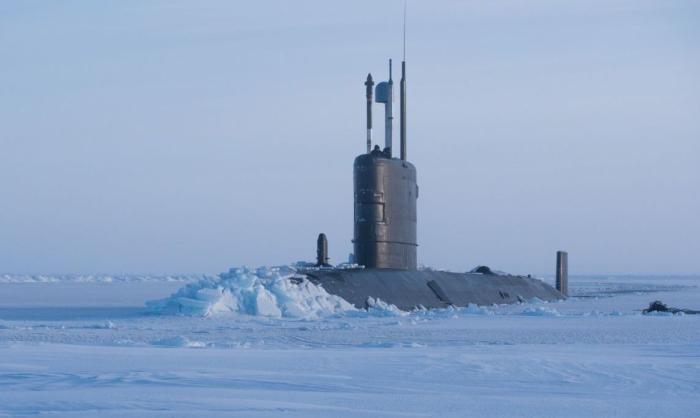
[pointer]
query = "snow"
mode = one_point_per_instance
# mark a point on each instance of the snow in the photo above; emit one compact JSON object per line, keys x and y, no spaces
{"x":90,"y":278}
{"x":378,"y":307}
{"x":179,"y":341}
{"x":272,"y":292}
{"x":254,"y":343}
{"x":540,"y":311}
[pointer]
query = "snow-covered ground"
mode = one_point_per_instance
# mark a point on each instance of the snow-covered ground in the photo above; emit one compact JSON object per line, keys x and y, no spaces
{"x":89,"y":346}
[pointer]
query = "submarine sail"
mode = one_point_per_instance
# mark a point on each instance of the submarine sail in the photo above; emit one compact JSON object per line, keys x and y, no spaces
{"x":385,"y":195}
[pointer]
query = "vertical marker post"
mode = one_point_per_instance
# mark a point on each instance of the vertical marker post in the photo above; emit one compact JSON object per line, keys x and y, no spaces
{"x":322,"y":251}
{"x":563,"y":273}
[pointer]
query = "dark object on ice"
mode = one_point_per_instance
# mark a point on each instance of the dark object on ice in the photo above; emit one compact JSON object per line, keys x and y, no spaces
{"x":658,"y":306}
{"x":409,"y":289}
{"x":385,"y":192}
{"x":562,"y":283}
{"x":385,"y":240}
{"x":482,"y":270}
{"x":322,"y":251}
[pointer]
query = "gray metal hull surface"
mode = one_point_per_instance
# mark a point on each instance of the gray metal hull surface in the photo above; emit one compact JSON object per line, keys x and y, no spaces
{"x":409,"y":289}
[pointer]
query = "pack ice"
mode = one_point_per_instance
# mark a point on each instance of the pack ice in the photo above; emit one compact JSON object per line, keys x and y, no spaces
{"x":266,"y":291}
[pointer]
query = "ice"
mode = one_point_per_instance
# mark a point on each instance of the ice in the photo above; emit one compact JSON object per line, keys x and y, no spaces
{"x":474,"y":309}
{"x":248,"y":346}
{"x":266,"y":291}
{"x":378,"y":307}
{"x":540,"y":311}
{"x":97,"y":278}
{"x":179,"y":341}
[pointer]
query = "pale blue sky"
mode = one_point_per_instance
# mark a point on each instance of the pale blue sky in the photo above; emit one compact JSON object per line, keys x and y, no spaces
{"x":163,"y":137}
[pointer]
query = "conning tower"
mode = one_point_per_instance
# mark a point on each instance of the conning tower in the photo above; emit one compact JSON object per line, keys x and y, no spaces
{"x":386,"y":193}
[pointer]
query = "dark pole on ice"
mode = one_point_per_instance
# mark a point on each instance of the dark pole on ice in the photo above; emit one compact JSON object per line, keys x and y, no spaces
{"x":322,"y":251}
{"x":562,"y":283}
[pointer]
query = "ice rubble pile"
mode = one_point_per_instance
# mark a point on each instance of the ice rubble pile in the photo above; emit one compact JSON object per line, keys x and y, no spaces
{"x":267,"y":291}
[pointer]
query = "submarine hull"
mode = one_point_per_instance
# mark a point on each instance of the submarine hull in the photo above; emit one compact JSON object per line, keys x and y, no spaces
{"x":412,"y":289}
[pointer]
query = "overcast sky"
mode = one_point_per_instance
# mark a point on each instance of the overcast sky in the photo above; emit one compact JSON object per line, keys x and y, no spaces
{"x":168,"y":136}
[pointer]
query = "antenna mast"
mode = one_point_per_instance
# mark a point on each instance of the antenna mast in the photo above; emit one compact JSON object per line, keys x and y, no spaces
{"x":369,"y":83}
{"x":404,"y":30}
{"x":389,"y":127}
{"x":402,"y":110}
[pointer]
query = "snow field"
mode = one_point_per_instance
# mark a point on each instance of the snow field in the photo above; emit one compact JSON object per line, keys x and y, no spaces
{"x":266,"y":350}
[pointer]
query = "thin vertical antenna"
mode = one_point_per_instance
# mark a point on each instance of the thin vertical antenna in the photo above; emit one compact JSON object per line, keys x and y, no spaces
{"x":388,"y":144}
{"x":404,"y":29}
{"x":402,"y":105}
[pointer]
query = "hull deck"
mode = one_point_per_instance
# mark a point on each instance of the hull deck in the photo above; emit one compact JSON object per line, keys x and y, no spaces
{"x":409,"y":289}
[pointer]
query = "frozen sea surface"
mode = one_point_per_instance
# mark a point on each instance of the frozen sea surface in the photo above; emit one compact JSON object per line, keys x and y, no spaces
{"x":84,"y":347}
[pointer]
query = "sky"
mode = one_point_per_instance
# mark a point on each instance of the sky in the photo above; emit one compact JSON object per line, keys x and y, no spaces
{"x":188,"y":137}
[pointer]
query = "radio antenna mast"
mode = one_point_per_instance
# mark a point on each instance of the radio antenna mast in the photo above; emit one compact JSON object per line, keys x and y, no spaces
{"x":402,"y":110}
{"x":404,"y":30}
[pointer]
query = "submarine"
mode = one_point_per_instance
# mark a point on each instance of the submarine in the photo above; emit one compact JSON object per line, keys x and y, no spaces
{"x":385,"y":241}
